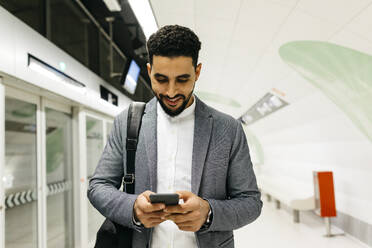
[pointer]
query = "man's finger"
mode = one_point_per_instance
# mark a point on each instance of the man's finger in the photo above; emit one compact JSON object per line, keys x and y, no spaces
{"x":186,"y":224}
{"x":184,"y":194}
{"x":158,"y":214}
{"x":146,"y":206}
{"x":147,"y":194}
{"x":149,"y":208}
{"x":191,"y":205}
{"x":182,"y":218}
{"x":180,"y":209}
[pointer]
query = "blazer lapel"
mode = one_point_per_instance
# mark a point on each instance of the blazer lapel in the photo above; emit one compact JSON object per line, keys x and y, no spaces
{"x":149,"y":126}
{"x":202,"y":134}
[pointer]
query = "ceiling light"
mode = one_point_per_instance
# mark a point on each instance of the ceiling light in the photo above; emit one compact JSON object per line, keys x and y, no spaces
{"x":143,"y":11}
{"x":275,"y":101}
{"x":112,"y":5}
{"x":265,"y":106}
{"x":51,"y":72}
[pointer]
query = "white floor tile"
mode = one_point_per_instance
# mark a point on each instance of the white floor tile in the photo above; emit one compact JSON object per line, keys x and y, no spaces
{"x":275,"y":228}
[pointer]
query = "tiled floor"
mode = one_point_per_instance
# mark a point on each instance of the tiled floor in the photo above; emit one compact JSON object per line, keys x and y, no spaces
{"x":275,"y":228}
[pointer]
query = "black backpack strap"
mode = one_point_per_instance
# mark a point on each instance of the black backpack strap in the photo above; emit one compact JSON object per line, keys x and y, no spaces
{"x":135,"y":113}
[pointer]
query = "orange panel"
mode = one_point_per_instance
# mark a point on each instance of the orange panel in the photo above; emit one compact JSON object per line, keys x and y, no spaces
{"x":326,"y":194}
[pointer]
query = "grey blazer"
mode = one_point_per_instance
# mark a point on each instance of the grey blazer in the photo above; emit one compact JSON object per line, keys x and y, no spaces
{"x":221,"y":173}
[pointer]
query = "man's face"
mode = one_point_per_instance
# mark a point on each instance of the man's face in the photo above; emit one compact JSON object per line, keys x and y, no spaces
{"x":173,"y":80}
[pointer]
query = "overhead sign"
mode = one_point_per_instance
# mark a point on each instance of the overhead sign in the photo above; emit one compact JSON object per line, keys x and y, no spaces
{"x":265,"y":106}
{"x":108,"y":96}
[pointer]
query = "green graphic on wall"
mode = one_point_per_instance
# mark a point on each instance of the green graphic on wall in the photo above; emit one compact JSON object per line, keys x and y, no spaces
{"x":207,"y":96}
{"x":344,"y":75}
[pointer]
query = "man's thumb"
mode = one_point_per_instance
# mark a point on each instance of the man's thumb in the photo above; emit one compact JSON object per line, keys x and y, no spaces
{"x":184,"y":194}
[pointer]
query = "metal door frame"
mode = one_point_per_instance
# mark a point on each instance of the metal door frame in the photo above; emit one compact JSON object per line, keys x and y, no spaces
{"x":2,"y":162}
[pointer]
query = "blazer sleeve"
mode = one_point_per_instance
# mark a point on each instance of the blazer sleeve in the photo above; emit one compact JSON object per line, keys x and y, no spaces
{"x":243,"y":204}
{"x":103,"y":191}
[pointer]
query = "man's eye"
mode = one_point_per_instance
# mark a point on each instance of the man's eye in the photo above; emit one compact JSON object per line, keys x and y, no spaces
{"x":161,"y":80}
{"x":182,"y":80}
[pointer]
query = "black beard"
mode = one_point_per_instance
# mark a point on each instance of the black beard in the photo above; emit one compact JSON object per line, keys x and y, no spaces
{"x":178,"y":111}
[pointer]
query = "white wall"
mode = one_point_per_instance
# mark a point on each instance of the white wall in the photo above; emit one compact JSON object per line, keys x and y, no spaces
{"x":17,"y":40}
{"x":312,"y":133}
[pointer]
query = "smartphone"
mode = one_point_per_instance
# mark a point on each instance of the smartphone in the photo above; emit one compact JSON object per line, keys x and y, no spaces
{"x":167,"y":199}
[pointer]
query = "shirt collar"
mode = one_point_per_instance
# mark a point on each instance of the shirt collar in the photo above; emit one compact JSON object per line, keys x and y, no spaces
{"x":183,"y":115}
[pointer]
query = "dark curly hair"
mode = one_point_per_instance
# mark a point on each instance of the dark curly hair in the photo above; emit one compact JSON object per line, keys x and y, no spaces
{"x":174,"y":41}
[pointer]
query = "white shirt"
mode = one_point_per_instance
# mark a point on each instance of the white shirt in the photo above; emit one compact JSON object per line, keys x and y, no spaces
{"x":175,"y":137}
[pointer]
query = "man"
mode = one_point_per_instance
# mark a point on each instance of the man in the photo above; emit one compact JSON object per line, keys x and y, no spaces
{"x":184,"y":146}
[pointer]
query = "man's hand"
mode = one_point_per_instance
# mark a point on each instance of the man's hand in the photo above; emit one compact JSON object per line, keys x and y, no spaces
{"x":148,"y":214}
{"x":190,"y":215}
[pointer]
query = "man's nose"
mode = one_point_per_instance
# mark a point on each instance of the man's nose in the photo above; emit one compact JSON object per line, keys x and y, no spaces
{"x":172,"y":90}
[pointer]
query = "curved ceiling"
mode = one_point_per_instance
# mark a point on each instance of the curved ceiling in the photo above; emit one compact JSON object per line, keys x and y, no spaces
{"x":241,"y":41}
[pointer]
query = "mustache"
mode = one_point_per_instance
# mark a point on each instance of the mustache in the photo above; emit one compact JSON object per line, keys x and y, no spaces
{"x":170,"y":98}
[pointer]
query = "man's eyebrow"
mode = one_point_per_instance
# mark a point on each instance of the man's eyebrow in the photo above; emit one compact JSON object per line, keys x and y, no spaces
{"x":160,"y":75}
{"x":179,"y":76}
{"x":184,"y":76}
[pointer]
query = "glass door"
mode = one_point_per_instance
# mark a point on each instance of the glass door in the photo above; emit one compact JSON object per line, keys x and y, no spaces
{"x":37,"y":176}
{"x":94,"y":148}
{"x":109,"y":125}
{"x":97,"y":129}
{"x":59,"y":202}
{"x":41,"y":205}
{"x":20,"y":174}
{"x":2,"y":162}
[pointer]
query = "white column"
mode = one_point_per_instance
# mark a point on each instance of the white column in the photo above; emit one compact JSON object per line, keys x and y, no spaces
{"x":41,"y":174}
{"x":2,"y":163}
{"x":327,"y":221}
{"x":104,"y":125}
{"x":80,"y":178}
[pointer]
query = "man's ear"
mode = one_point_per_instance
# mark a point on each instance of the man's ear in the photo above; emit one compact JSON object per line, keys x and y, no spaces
{"x":148,"y":69}
{"x":197,"y":71}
